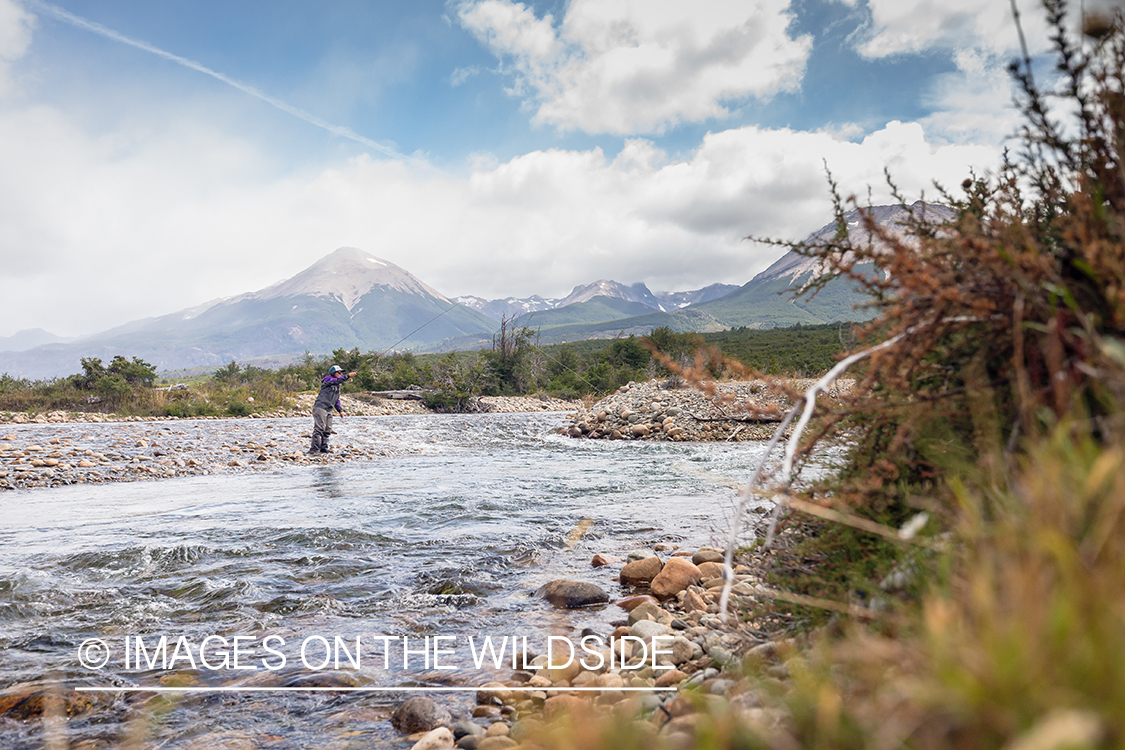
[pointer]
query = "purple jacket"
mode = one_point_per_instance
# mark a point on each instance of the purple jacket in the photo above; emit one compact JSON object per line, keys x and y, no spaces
{"x":329,"y":396}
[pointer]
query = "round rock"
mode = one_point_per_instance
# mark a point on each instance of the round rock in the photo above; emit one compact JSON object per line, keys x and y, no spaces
{"x":419,"y":714}
{"x":572,"y":594}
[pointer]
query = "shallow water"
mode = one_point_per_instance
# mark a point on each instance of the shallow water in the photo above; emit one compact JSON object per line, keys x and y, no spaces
{"x":451,"y":538}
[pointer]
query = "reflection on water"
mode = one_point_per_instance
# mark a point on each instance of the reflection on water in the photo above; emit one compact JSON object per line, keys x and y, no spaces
{"x":451,"y":540}
{"x":326,"y":481}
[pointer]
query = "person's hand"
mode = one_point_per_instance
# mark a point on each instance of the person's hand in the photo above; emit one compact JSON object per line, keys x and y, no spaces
{"x":351,"y":374}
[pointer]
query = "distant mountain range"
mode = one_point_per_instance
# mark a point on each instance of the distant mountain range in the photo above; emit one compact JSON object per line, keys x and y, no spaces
{"x":351,"y":298}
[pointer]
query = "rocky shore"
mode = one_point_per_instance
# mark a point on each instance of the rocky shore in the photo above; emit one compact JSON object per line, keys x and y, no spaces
{"x":116,"y":449}
{"x":700,"y":670}
{"x":356,"y":405}
{"x":705,"y":668}
{"x":744,"y":410}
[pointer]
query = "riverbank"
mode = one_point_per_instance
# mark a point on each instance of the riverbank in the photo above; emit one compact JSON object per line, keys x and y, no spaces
{"x":705,"y":667}
{"x":359,"y":405}
{"x":734,"y":410}
{"x":124,"y":449}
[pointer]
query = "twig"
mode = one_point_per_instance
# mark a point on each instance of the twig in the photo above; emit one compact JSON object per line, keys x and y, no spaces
{"x":848,"y":519}
{"x":747,"y":420}
{"x":811,"y":601}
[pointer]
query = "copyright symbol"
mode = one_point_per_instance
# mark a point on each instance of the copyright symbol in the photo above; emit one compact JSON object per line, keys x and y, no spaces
{"x":93,"y":653}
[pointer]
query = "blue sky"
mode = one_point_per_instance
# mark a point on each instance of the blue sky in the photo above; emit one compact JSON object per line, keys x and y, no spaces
{"x":518,"y":148}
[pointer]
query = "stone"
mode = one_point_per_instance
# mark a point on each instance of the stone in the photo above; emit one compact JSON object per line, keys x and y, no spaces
{"x":496,"y":743}
{"x":670,"y":678}
{"x":420,"y":714}
{"x":572,"y":594}
{"x":493,"y":693}
{"x":434,"y":740}
{"x":711,"y":570}
{"x":641,"y":572}
{"x":630,"y":603}
{"x":707,"y":554}
{"x":499,"y":729}
{"x":650,"y":611}
{"x":600,"y":561}
{"x":564,"y":671}
{"x":639,"y":430}
{"x":465,"y":727}
{"x":638,"y":554}
{"x":561,"y":705}
{"x":30,"y":700}
{"x":693,"y":602}
{"x":681,"y":651}
{"x":646,"y":629}
{"x":676,"y":576}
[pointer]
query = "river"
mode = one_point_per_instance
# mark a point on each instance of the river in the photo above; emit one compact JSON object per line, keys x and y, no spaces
{"x":451,"y":537}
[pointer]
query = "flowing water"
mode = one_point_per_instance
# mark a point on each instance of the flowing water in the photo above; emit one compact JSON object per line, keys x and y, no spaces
{"x":451,"y":538}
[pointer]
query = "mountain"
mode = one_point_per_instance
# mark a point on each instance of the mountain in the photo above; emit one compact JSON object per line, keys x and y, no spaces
{"x":638,"y":293}
{"x":678,"y":300}
{"x":509,"y":307}
{"x":604,"y":289}
{"x":28,"y":338}
{"x":767,"y":300}
{"x":347,"y":299}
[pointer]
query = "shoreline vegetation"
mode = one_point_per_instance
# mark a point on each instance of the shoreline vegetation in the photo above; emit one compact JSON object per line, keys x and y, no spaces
{"x":456,"y":382}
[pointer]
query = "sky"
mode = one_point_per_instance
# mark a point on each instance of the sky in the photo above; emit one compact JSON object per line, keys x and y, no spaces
{"x":154,"y":156}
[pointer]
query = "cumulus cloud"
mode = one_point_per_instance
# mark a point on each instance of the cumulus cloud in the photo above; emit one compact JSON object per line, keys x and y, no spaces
{"x":973,"y":104}
{"x":613,"y":66}
{"x":132,"y":223}
{"x":16,"y":25}
{"x":904,"y":26}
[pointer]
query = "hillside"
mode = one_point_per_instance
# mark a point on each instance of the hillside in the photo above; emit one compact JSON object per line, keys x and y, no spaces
{"x":347,"y":299}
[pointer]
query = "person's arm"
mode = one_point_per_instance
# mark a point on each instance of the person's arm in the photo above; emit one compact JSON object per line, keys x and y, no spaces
{"x":343,"y":379}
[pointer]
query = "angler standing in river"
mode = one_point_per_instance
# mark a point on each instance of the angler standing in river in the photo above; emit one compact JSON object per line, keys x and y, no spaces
{"x":327,"y":400}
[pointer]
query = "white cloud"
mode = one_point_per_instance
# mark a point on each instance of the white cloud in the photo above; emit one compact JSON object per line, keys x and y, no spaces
{"x":460,"y":75}
{"x":15,"y":37}
{"x":903,"y":26}
{"x":103,"y":229}
{"x":974,"y":104}
{"x":614,"y":66}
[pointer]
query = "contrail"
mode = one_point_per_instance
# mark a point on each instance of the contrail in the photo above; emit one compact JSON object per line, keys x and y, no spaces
{"x":97,"y":28}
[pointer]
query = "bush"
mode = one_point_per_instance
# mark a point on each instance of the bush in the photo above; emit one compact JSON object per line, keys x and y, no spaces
{"x":238,"y":408}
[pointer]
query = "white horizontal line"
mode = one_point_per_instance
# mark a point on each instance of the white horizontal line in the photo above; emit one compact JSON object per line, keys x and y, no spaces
{"x":230,"y":689}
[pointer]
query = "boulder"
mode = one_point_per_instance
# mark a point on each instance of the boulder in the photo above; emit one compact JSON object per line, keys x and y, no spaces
{"x":420,"y":714}
{"x":676,"y":576}
{"x":572,"y":594}
{"x":641,"y":572}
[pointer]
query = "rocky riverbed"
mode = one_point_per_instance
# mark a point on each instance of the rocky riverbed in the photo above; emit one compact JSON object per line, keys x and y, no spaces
{"x":700,"y":667}
{"x":744,"y":410}
{"x":113,"y":449}
{"x":359,"y":405}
